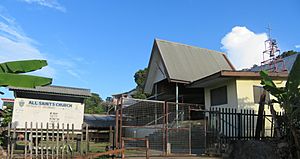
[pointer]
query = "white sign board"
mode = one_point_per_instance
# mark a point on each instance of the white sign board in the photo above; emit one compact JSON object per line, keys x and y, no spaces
{"x":47,"y":111}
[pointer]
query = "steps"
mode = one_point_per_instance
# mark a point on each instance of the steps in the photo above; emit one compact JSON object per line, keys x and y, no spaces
{"x":181,"y":140}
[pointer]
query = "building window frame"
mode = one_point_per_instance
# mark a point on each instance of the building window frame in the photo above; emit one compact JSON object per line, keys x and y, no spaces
{"x":257,"y":91}
{"x":219,"y":96}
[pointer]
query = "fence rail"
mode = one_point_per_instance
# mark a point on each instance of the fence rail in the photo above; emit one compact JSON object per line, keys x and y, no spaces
{"x":187,"y":128}
{"x":38,"y":140}
{"x":235,"y":124}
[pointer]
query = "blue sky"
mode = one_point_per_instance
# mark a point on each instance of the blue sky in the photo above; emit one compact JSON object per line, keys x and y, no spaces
{"x":101,"y":44}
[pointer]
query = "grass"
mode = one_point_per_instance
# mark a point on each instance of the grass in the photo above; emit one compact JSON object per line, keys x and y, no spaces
{"x":94,"y":147}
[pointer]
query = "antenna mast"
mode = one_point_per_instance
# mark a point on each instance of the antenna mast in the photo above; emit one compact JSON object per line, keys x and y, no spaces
{"x":272,"y":60}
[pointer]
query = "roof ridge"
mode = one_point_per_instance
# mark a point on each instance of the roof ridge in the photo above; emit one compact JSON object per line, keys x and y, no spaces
{"x":187,"y":45}
{"x":55,"y":86}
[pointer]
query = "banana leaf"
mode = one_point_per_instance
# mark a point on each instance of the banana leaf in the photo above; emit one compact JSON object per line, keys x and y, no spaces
{"x":293,"y":81}
{"x":20,"y":80}
{"x":269,"y":85}
{"x":22,"y":66}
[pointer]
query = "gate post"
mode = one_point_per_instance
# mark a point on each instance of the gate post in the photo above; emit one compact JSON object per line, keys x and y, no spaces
{"x":166,"y":129}
{"x":147,"y":148}
{"x":190,"y":138}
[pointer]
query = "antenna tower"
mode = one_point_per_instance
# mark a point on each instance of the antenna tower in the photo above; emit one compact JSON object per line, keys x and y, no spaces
{"x":272,"y":59}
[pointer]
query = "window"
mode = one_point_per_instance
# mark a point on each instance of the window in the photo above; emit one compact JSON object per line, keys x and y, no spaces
{"x":257,"y":91}
{"x":218,"y":96}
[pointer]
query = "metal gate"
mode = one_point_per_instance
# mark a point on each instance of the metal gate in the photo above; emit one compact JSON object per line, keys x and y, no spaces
{"x":166,"y":125}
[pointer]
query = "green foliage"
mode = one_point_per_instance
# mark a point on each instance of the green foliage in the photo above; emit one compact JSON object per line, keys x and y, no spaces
{"x":140,"y":79}
{"x":22,"y":66}
{"x":289,"y":96}
{"x":27,"y":81}
{"x":288,"y":53}
{"x":94,"y":105}
{"x":9,"y":74}
{"x":7,"y":116}
{"x":289,"y":99}
{"x":139,"y":95}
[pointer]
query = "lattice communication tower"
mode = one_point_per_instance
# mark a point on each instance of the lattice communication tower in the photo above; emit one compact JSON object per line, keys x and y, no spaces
{"x":272,"y":59}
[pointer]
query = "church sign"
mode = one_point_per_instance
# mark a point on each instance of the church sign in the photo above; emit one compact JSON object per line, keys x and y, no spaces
{"x":47,"y":111}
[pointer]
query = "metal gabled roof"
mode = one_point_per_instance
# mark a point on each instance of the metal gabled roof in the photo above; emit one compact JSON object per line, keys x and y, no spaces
{"x":185,"y":64}
{"x":189,"y":63}
{"x":71,"y":91}
{"x":288,"y":62}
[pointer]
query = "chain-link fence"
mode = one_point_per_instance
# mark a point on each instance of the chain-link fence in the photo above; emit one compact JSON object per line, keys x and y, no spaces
{"x":182,"y":128}
{"x":164,"y":124}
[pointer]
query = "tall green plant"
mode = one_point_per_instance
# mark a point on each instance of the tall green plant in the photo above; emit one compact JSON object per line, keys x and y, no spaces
{"x":11,"y":74}
{"x":288,"y":98}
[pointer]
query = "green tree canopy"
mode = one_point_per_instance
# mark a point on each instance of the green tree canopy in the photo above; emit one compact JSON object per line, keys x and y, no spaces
{"x":140,"y":79}
{"x":94,"y":104}
{"x":288,"y":53}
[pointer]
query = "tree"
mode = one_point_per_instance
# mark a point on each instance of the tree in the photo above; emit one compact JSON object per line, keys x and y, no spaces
{"x":94,"y":104}
{"x":288,"y":98}
{"x":7,"y":116}
{"x":288,"y":53}
{"x":140,"y":79}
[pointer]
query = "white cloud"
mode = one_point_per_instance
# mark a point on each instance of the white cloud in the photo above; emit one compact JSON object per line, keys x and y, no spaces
{"x":297,"y":46}
{"x":15,"y":45}
{"x":47,"y":3}
{"x":73,"y":73}
{"x":244,"y":47}
{"x":69,"y":66}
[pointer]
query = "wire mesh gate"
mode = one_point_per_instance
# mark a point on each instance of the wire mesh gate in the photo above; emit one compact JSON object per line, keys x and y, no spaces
{"x":165,"y":124}
{"x":171,"y":128}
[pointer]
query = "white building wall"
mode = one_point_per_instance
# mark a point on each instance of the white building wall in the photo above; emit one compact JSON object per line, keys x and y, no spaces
{"x":231,"y":94}
{"x":245,"y":99}
{"x":159,"y":72}
{"x":240,"y":95}
{"x":245,"y":94}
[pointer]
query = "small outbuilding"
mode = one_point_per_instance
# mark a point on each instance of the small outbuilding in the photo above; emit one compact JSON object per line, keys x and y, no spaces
{"x":101,"y":126}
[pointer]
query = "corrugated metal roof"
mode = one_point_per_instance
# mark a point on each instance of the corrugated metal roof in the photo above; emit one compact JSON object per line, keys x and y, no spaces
{"x":98,"y":120}
{"x":189,"y":63}
{"x":223,"y":76}
{"x":185,"y":64}
{"x":56,"y":90}
{"x":288,"y":62}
